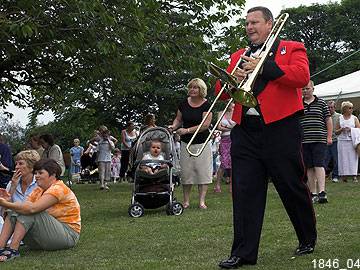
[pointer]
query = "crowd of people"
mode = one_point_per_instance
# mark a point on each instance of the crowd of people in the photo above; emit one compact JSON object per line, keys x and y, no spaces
{"x":39,"y":210}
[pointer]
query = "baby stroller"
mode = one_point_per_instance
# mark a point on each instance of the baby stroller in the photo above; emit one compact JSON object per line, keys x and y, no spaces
{"x":152,"y":191}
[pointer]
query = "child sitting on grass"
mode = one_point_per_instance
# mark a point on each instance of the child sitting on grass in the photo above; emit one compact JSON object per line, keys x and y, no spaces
{"x":155,"y":154}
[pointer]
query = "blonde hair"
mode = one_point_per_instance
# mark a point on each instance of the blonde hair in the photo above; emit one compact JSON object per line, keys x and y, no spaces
{"x":76,"y":140}
{"x":199,"y":83}
{"x":311,"y":84}
{"x":29,"y":156}
{"x":345,"y":104}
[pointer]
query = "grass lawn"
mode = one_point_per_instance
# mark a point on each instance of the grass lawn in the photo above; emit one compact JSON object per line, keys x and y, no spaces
{"x":198,"y":239}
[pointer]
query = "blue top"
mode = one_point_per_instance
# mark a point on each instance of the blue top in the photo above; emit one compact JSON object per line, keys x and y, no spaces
{"x":18,"y":196}
{"x":75,"y":153}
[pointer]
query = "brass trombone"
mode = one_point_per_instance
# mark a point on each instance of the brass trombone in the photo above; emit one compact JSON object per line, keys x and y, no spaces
{"x":238,"y":92}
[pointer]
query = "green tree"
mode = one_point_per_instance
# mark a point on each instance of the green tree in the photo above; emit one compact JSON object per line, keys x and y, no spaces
{"x":118,"y":59}
{"x":330,"y":33}
{"x":14,"y":134}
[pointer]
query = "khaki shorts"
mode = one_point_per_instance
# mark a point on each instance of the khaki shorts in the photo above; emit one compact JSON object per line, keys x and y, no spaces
{"x":196,"y":170}
{"x":45,"y":232}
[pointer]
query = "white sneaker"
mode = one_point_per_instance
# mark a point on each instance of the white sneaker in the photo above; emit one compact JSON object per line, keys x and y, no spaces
{"x":104,"y":187}
{"x":314,"y":197}
{"x":335,"y":180}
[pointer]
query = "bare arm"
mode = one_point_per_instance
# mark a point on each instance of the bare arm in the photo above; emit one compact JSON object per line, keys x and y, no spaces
{"x":114,"y":140}
{"x":177,"y":121}
{"x":357,"y":123}
{"x":14,"y":182}
{"x":28,"y":208}
{"x":220,"y":126}
{"x":329,"y":127}
{"x":123,"y":135}
{"x":338,"y":129}
{"x":207,"y":122}
{"x":87,"y":151}
{"x":206,"y":125}
{"x":111,"y":143}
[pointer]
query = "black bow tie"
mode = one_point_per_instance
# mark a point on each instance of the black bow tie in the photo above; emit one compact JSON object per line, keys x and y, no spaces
{"x":255,"y":47}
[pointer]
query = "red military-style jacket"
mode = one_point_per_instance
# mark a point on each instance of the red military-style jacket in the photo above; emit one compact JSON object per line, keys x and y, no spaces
{"x":281,"y":96}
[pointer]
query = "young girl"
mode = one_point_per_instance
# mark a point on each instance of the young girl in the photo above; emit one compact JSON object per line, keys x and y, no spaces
{"x":115,"y":165}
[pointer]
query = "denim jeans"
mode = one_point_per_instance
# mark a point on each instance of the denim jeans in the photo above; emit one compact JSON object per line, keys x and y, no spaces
{"x":332,"y":154}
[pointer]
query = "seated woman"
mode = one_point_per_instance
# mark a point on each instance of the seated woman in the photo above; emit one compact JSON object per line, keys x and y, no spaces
{"x":155,"y":154}
{"x":23,"y":181}
{"x":48,"y":220}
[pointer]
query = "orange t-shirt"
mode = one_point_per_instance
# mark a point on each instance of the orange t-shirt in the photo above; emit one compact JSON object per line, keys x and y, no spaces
{"x":66,"y":210}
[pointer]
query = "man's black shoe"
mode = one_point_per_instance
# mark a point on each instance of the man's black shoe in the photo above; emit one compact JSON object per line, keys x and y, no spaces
{"x":304,"y":249}
{"x":233,"y":262}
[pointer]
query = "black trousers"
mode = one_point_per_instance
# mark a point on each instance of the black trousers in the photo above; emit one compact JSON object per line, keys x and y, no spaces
{"x":124,"y":162}
{"x":260,"y":151}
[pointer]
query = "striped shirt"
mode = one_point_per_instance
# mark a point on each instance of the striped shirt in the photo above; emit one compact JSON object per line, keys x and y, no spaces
{"x":313,"y":122}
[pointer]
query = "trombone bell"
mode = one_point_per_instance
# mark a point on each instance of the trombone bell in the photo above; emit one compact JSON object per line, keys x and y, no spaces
{"x":243,"y":97}
{"x":222,"y":75}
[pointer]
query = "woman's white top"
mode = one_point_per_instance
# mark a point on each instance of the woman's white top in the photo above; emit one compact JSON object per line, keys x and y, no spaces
{"x":346,"y":135}
{"x":228,"y":123}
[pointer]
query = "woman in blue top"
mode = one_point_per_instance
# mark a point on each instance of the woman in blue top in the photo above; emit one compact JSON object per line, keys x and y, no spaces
{"x":76,"y":152}
{"x":23,"y":181}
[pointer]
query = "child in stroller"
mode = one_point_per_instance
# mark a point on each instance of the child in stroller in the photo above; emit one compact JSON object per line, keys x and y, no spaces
{"x":155,"y":166}
{"x":155,"y":154}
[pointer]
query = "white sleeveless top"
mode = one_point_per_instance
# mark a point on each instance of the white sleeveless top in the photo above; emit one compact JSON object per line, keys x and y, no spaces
{"x":128,"y":139}
{"x":346,"y":136}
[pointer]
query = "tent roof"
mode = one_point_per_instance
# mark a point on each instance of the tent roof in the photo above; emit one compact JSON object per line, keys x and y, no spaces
{"x":349,"y":85}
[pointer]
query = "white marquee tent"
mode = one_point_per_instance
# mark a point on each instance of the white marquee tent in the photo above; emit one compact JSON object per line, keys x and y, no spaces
{"x":348,"y":85}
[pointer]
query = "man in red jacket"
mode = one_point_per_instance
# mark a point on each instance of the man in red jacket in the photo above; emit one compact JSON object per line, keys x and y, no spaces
{"x":266,"y":142}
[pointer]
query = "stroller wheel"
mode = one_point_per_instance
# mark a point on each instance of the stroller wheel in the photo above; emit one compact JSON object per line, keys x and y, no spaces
{"x":136,"y":210}
{"x":176,"y":209}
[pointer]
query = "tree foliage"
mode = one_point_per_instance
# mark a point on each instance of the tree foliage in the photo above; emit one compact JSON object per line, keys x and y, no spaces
{"x":13,"y":132}
{"x":117,"y":59}
{"x":330,"y":33}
